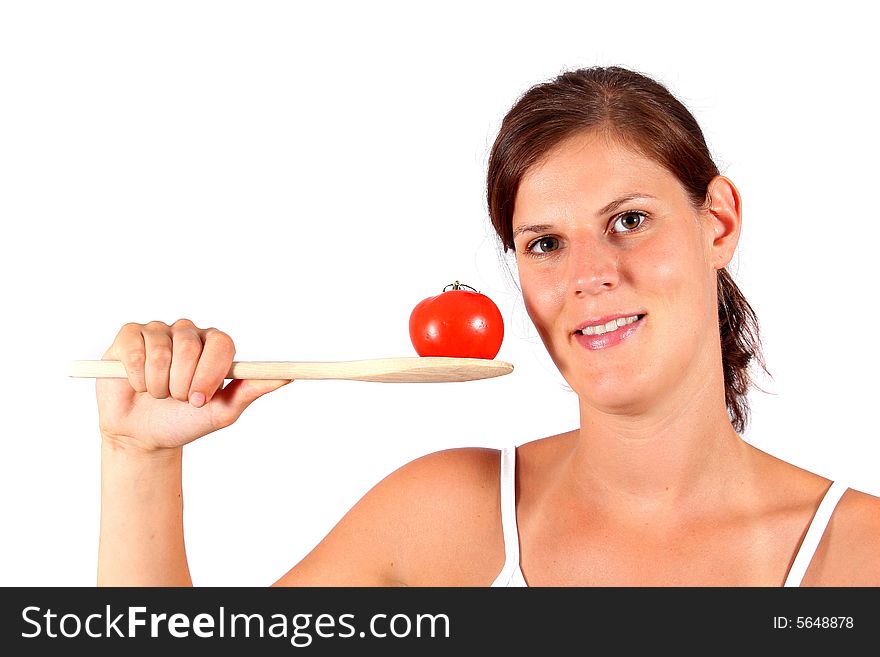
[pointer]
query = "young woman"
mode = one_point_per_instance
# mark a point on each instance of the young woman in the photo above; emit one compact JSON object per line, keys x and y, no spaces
{"x":601,"y":182}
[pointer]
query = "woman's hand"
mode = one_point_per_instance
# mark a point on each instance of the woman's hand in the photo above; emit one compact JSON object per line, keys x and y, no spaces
{"x":174,"y":392}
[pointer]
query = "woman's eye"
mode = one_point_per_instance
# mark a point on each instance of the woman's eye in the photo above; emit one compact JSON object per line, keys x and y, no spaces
{"x":543,"y":245}
{"x":630,"y":221}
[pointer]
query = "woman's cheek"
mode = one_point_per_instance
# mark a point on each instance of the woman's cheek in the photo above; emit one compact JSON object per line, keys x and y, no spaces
{"x":663,"y":274}
{"x":678,"y":292}
{"x":544,"y":298}
{"x":664,"y":262}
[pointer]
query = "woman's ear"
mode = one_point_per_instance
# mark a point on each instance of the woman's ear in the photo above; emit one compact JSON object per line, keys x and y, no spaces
{"x":725,"y":219}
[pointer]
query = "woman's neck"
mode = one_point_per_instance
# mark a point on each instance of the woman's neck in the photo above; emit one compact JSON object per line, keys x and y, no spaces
{"x":676,"y":458}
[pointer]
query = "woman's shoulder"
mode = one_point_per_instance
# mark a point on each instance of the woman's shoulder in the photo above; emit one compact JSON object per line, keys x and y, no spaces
{"x":447,"y":475}
{"x":449,"y":504}
{"x":849,"y":553}
{"x":447,"y":510}
{"x":433,"y":521}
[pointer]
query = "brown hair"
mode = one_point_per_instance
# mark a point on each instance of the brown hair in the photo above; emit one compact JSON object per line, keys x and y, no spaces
{"x":644,"y":115}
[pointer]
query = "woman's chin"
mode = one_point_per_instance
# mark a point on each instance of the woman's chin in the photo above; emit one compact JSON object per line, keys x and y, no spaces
{"x":615,"y":407}
{"x":614,"y":396}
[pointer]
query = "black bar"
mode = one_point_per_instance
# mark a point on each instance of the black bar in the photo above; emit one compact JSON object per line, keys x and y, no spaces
{"x":579,"y":619}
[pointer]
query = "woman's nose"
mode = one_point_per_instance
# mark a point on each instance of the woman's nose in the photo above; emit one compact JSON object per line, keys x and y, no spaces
{"x":594,"y":267}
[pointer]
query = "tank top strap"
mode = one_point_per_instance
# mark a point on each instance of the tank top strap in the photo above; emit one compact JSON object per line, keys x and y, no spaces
{"x":508,"y":516}
{"x":814,"y":534}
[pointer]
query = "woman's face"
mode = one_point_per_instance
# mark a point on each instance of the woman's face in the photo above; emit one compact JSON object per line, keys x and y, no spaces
{"x":603,"y":232}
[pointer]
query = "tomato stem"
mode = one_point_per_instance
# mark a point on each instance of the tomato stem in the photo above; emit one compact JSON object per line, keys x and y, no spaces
{"x":457,"y":285}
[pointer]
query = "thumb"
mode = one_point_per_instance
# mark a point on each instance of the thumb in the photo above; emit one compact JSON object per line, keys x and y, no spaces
{"x":240,"y":393}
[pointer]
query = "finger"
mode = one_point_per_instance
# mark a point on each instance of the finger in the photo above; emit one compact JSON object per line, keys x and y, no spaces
{"x":231,"y":401}
{"x":214,"y":364}
{"x":128,"y":347}
{"x":158,"y":346}
{"x":186,"y":350}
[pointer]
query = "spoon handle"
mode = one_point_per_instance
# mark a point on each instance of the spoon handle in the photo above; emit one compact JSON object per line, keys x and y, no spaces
{"x":386,"y":370}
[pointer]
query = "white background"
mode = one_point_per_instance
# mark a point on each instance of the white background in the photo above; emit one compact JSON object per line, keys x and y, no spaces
{"x":300,"y":175}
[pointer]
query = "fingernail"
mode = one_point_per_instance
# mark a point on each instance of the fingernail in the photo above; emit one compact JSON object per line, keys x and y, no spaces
{"x":197,"y":399}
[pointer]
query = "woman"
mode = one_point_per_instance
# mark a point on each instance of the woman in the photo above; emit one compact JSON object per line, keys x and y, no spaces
{"x":602,"y":184}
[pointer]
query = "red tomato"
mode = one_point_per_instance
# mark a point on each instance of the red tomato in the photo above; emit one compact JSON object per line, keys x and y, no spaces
{"x":457,"y":323}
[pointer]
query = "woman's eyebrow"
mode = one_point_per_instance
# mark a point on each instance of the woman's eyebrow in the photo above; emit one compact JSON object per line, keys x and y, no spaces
{"x":534,"y":228}
{"x":611,"y":207}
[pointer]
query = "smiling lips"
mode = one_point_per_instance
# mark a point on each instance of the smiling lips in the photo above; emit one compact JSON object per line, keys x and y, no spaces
{"x":608,"y":331}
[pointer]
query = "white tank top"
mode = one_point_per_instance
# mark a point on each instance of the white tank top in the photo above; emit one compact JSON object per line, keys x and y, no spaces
{"x":511,"y":574}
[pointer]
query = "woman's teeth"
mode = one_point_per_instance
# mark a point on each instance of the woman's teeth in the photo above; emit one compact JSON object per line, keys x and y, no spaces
{"x":613,"y":325}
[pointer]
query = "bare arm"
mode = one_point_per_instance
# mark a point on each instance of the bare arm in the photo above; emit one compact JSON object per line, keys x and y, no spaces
{"x":141,"y":540}
{"x":173,"y":395}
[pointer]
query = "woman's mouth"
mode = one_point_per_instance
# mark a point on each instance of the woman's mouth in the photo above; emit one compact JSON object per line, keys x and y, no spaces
{"x":613,"y":332}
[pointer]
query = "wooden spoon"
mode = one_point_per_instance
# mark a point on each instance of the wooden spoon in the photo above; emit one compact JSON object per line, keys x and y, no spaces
{"x":385,"y":370}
